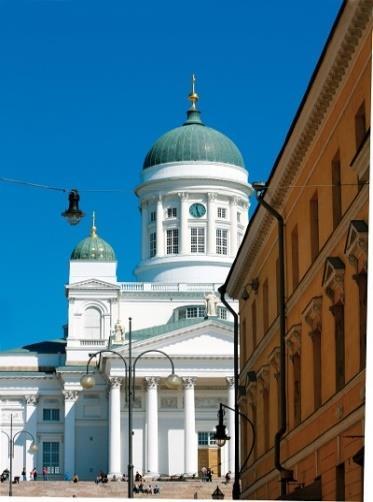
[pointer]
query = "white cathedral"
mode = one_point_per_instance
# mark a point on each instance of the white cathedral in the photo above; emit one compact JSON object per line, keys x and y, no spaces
{"x":193,"y":196}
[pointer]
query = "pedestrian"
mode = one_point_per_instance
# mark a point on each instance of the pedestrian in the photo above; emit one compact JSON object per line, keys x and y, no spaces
{"x":228,"y":477}
{"x":75,"y":478}
{"x":23,"y":474}
{"x":45,"y":473}
{"x":209,"y":474}
{"x":204,"y":472}
{"x":34,"y":474}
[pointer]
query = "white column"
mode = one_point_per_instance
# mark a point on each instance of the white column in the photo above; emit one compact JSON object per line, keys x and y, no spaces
{"x":114,"y":427}
{"x":160,"y":236}
{"x":190,"y":439}
{"x":211,"y":227}
{"x":71,"y":396}
{"x":144,"y":229}
{"x":152,"y":424}
{"x":31,"y":426}
{"x":233,"y":222}
{"x":184,"y":236}
{"x":230,"y":417}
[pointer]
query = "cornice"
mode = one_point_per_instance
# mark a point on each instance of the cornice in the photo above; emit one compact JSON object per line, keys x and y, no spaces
{"x":328,"y":79}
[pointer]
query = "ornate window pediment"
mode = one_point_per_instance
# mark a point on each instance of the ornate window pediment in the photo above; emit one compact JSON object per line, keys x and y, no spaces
{"x":356,"y":248}
{"x":333,"y":279}
{"x":293,"y":340}
{"x":312,"y":314}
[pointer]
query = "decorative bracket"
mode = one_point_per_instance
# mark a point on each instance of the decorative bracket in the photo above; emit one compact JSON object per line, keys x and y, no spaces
{"x":356,"y":248}
{"x":333,"y":279}
{"x":312,"y":314}
{"x":293,"y":340}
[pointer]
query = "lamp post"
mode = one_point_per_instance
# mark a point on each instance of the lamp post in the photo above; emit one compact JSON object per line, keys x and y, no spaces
{"x":11,"y":439}
{"x":285,"y":474}
{"x":88,"y":381}
{"x":236,"y":491}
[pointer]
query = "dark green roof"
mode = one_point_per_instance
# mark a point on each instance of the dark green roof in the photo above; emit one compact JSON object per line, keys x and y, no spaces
{"x":193,"y":141}
{"x":93,"y":248}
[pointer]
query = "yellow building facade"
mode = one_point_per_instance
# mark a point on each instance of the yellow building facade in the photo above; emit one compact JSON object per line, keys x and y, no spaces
{"x":319,"y":185}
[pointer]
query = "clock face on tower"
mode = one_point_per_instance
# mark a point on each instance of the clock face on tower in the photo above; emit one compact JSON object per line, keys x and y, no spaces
{"x":197,"y":210}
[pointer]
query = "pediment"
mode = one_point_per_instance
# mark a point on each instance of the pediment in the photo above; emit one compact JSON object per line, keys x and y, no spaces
{"x":93,"y":284}
{"x":207,"y":339}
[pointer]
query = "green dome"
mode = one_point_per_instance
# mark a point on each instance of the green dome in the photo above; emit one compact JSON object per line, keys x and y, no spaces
{"x":93,"y":248}
{"x":193,"y":141}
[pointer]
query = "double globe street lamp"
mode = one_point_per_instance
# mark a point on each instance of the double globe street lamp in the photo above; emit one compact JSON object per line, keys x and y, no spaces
{"x":11,"y":440}
{"x":88,"y":381}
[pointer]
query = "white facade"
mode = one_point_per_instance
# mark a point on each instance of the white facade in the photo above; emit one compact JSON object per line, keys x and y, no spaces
{"x":185,"y":256}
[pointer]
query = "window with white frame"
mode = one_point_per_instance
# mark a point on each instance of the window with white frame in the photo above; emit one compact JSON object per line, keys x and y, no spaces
{"x":92,"y":323}
{"x":152,"y":244}
{"x":153,"y":216}
{"x":239,"y":238}
{"x":51,"y":456}
{"x":172,"y":241}
{"x":197,"y":240}
{"x":239,"y":217}
{"x":192,"y":312}
{"x":221,"y":241}
{"x":222,"y":313}
{"x":206,"y":438}
{"x":51,"y":414}
{"x":222,"y":213}
{"x":171,"y":212}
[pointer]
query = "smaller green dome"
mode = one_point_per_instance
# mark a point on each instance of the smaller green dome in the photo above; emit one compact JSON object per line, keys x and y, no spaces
{"x":93,"y":248}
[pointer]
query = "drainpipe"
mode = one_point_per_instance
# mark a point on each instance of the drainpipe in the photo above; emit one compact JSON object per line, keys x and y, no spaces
{"x":236,"y":491}
{"x":285,"y":474}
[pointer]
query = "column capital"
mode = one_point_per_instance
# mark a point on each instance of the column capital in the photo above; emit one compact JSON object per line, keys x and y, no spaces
{"x":115,"y":382}
{"x":32,"y":400}
{"x":211,"y":196}
{"x":234,"y":200}
{"x":230,"y":381}
{"x":183,"y":195}
{"x":151,"y":382}
{"x":189,"y":382}
{"x":71,"y":395}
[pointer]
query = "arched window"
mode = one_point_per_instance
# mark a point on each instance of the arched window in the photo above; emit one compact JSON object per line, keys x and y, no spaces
{"x":92,"y":323}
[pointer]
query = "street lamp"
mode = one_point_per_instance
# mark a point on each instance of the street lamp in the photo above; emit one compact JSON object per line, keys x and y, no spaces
{"x":87,"y":381}
{"x":285,"y":474}
{"x":73,"y":214}
{"x":221,"y":437}
{"x":11,"y":439}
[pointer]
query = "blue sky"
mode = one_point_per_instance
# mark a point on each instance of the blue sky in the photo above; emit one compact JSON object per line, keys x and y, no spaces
{"x":86,"y":87}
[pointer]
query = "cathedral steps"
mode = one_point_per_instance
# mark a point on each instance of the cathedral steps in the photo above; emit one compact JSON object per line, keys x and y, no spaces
{"x":169,"y":489}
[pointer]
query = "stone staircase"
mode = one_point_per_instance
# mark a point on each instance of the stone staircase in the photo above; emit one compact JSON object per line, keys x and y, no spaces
{"x":190,"y":489}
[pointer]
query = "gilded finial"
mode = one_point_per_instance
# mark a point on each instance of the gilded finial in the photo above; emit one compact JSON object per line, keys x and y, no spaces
{"x":94,"y":229}
{"x":193,"y":96}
